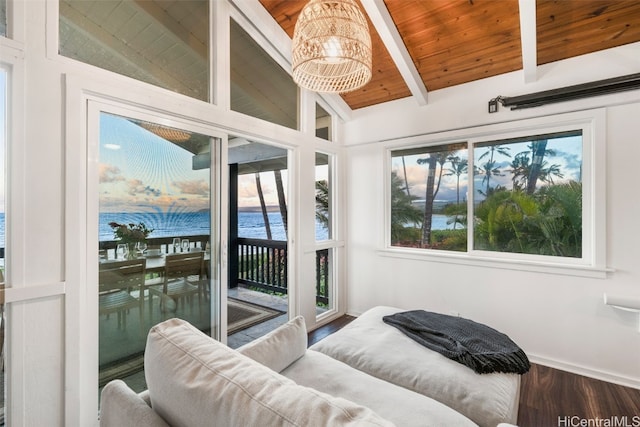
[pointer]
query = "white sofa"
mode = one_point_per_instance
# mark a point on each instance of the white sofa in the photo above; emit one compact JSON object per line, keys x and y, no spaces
{"x":194,"y":380}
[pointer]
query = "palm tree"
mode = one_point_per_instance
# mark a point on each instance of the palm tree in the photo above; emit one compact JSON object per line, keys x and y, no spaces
{"x":263,"y":206}
{"x":538,"y":152}
{"x":431,"y":191}
{"x":402,"y":211}
{"x":458,"y":167}
{"x":322,"y":203}
{"x":282,"y":203}
{"x":489,"y":167}
{"x":548,"y":172}
{"x":520,"y":170}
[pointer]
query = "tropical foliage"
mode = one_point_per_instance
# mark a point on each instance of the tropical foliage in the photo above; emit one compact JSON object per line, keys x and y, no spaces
{"x":549,"y":222}
{"x":322,"y":203}
{"x":404,"y":216}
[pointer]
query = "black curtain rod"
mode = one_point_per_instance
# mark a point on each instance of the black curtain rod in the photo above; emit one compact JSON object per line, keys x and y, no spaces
{"x":584,"y":90}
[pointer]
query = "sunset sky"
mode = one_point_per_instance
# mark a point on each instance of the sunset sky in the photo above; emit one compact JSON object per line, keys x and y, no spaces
{"x":140,"y":171}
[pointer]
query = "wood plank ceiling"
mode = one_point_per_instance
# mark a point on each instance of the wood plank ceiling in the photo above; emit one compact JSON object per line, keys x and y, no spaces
{"x":458,"y":41}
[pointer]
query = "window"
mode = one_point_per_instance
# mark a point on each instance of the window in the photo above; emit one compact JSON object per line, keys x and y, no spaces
{"x":3,"y":18}
{"x":162,"y":43}
{"x":260,"y":87}
{"x":323,"y":123}
{"x":325,"y":237}
{"x":529,"y":195}
{"x":323,"y":198}
{"x":428,"y":197}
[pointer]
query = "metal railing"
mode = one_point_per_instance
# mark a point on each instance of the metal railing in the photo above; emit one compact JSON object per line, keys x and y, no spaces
{"x":262,"y":264}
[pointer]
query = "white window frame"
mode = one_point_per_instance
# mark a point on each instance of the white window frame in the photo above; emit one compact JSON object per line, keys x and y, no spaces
{"x":592,"y":123}
{"x":332,"y":244}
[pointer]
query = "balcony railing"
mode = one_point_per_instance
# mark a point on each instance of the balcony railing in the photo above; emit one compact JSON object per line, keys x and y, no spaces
{"x":262,"y":264}
{"x":165,"y":244}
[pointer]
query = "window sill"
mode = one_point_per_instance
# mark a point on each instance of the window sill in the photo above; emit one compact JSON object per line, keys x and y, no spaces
{"x":506,"y":264}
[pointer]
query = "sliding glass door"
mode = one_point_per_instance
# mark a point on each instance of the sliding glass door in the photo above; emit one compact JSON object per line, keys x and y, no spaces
{"x":157,"y":237}
{"x":258,"y":294}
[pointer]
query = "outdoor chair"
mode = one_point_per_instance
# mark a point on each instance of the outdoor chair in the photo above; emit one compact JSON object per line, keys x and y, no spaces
{"x":121,"y":288}
{"x":183,"y":279}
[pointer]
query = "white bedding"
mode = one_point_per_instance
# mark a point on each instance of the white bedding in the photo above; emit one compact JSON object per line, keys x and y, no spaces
{"x":371,"y":346}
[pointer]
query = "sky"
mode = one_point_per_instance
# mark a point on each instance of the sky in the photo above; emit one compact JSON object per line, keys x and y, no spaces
{"x":568,"y":156}
{"x":140,"y":171}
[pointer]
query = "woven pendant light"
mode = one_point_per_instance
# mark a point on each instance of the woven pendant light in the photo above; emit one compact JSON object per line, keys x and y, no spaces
{"x":331,"y":47}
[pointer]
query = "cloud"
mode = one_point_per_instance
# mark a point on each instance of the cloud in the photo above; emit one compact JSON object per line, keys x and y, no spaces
{"x":199,"y":187}
{"x":109,"y":173}
{"x":572,"y":164}
{"x":137,"y":187}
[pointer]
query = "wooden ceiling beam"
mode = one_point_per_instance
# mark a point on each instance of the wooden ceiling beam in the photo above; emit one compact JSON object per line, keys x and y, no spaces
{"x":528,"y":40}
{"x":386,"y":28}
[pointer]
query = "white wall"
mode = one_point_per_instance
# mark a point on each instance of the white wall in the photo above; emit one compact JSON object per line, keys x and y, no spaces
{"x":559,"y":320}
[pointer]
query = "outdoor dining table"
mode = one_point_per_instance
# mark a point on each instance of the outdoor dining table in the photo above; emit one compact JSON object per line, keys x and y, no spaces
{"x":155,"y":265}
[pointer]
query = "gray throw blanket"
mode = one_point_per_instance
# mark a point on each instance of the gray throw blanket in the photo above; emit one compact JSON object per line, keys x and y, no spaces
{"x":475,"y":345}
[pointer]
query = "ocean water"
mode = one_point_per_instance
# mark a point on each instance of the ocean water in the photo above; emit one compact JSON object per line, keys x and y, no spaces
{"x":250,"y":224}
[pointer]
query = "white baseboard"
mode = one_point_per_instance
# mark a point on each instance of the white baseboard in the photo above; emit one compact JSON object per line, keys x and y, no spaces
{"x":587,"y":372}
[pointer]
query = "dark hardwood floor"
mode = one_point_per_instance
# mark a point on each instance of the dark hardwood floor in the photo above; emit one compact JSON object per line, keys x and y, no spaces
{"x":551,"y":397}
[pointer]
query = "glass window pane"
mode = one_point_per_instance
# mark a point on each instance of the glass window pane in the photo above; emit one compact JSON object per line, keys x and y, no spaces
{"x":154,"y":233}
{"x":323,"y":198}
{"x":429,"y":197}
{"x":162,"y":43}
{"x":259,"y":86}
{"x":528,"y":195}
{"x":3,"y":18}
{"x":325,"y":285}
{"x":323,"y":123}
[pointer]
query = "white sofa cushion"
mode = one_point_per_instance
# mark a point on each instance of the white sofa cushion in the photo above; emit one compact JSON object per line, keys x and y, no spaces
{"x":194,"y":381}
{"x":280,"y":347}
{"x":121,"y":406}
{"x":370,"y":345}
{"x":397,"y":404}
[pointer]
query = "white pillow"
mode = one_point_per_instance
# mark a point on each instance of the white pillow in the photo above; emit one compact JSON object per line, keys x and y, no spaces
{"x":194,"y":381}
{"x":281,"y":347}
{"x":120,"y":406}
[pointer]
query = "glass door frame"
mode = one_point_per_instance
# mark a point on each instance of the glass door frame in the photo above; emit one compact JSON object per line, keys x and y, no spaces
{"x":81,"y":239}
